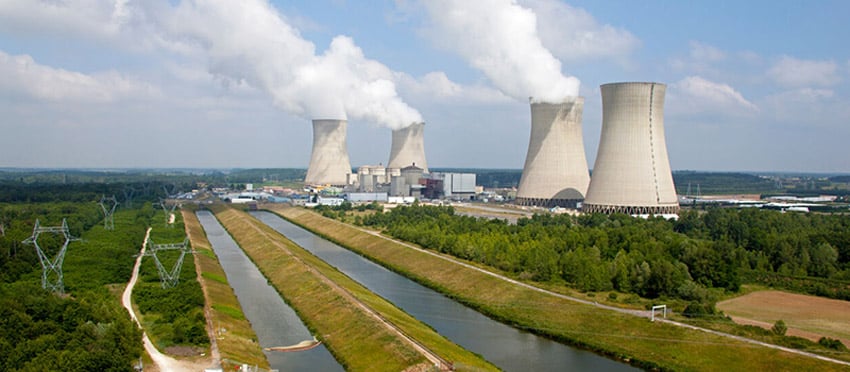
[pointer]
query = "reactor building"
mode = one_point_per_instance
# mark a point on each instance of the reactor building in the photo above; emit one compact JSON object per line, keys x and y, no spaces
{"x":555,"y":171}
{"x":632,"y":172}
{"x":329,"y":163}
{"x":408,"y":147}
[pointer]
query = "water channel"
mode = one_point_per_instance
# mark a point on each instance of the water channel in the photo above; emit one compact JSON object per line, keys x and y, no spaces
{"x":505,"y":346}
{"x":274,"y":322}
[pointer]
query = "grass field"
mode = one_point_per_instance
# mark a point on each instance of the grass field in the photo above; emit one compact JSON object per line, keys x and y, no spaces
{"x":357,"y":340}
{"x":806,"y":316}
{"x":238,"y":342}
{"x":652,"y":345}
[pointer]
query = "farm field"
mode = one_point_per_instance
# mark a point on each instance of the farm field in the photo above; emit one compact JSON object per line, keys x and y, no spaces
{"x":806,"y":316}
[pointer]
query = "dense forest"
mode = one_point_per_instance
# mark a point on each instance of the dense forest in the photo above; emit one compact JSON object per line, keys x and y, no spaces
{"x":84,"y":327}
{"x":691,"y":259}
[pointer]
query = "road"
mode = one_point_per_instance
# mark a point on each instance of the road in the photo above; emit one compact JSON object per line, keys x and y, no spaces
{"x":162,"y":361}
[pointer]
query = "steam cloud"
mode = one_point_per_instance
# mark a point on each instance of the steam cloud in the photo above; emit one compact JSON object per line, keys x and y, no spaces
{"x":499,"y":37}
{"x":250,"y":41}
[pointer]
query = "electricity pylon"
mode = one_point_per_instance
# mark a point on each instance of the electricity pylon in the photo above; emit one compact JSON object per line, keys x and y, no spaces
{"x":108,"y":212}
{"x":168,"y":278}
{"x":51,"y":275}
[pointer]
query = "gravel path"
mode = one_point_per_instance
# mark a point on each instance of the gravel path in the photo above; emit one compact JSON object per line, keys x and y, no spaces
{"x":162,"y":361}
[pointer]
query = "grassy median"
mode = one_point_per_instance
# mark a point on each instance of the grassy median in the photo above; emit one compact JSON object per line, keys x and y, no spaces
{"x":629,"y":338}
{"x":357,"y":340}
{"x":236,"y":340}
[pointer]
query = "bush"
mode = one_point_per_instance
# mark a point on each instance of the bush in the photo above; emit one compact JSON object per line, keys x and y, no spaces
{"x":779,"y":327}
{"x":831,"y":343}
{"x":697,"y":309}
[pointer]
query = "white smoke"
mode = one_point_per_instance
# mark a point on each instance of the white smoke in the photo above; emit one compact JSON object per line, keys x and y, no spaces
{"x":250,"y":41}
{"x":499,"y":37}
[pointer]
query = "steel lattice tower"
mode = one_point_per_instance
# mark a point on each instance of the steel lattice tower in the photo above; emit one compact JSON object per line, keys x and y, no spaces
{"x":52,"y":277}
{"x":168,"y":278}
{"x":108,"y":212}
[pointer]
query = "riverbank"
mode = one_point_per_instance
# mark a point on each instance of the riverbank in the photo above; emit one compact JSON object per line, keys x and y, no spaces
{"x":236,"y":341}
{"x":626,"y":337}
{"x":362,"y":330}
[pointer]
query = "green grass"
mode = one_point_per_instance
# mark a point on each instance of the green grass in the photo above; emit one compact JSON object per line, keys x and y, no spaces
{"x":356,"y":339}
{"x":652,"y":345}
{"x":214,"y":277}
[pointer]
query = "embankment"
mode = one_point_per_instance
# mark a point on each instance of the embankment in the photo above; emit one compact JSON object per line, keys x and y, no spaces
{"x":631,"y":338}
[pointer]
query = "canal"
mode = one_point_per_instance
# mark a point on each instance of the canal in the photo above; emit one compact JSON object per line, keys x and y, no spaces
{"x":274,"y":322}
{"x":506,"y":347}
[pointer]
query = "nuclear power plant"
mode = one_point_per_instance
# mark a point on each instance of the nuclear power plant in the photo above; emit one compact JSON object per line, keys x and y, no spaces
{"x":555,"y":172}
{"x":329,"y":163}
{"x":408,"y":147}
{"x":632,"y":173}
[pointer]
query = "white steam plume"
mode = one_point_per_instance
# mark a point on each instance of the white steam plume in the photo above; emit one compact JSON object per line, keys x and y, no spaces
{"x":249,"y":40}
{"x":499,"y":37}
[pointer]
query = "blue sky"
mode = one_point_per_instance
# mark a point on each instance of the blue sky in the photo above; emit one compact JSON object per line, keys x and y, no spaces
{"x":752,"y":85}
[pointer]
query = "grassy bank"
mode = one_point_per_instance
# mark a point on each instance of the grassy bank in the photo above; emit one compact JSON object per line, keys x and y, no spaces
{"x":235,"y":338}
{"x":357,"y":339}
{"x":622,"y":336}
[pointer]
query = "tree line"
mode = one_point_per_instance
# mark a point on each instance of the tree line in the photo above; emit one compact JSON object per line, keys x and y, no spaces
{"x":692,"y":258}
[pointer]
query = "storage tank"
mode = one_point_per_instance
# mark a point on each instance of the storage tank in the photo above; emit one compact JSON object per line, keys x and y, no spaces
{"x":632,"y":172}
{"x":329,"y":163}
{"x":555,"y":171}
{"x":408,"y":147}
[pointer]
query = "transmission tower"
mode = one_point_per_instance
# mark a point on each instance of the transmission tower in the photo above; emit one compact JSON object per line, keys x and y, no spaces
{"x":128,"y":196}
{"x":51,"y":276}
{"x":168,"y":210}
{"x":168,"y":278}
{"x":108,"y":205}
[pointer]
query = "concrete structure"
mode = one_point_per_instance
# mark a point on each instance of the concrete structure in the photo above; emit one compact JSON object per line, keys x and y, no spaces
{"x":365,"y":197}
{"x":555,"y":172}
{"x":329,"y":162}
{"x":632,"y":173}
{"x":407,"y":184}
{"x":408,"y":147}
{"x":451,"y":185}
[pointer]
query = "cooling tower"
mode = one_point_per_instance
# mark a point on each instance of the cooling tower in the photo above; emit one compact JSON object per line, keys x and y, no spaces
{"x":632,"y":173}
{"x":555,"y":172}
{"x":408,"y":147}
{"x":329,"y":162}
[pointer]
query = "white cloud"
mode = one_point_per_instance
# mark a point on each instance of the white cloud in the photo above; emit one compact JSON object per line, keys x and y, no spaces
{"x":500,"y":39}
{"x":437,"y":87}
{"x":695,"y":94}
{"x":790,"y":71}
{"x":706,"y":53}
{"x":21,"y":75}
{"x":573,"y":34}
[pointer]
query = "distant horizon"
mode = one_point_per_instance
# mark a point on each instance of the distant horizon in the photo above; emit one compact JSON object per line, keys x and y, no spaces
{"x":438,"y":168}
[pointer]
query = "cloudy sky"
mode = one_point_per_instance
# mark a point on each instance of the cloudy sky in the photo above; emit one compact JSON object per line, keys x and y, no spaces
{"x":752,"y":85}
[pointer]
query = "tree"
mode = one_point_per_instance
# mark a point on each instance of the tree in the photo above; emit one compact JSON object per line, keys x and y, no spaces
{"x":779,"y":327}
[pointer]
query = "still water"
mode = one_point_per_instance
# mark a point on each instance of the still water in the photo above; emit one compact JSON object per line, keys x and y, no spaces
{"x":275,"y":323}
{"x":505,"y":346}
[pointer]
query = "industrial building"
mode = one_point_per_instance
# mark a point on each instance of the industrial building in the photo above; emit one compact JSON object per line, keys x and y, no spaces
{"x":408,"y":147}
{"x":632,"y":172}
{"x":329,"y":163}
{"x":555,"y":172}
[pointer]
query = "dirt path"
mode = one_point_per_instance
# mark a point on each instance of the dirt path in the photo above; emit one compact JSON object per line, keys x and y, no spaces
{"x":162,"y":361}
{"x":640,"y":313}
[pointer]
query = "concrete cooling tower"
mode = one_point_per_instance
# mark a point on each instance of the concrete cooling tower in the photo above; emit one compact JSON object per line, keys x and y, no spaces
{"x":408,"y":147}
{"x":632,"y":173}
{"x":555,"y":172}
{"x":329,"y":162}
